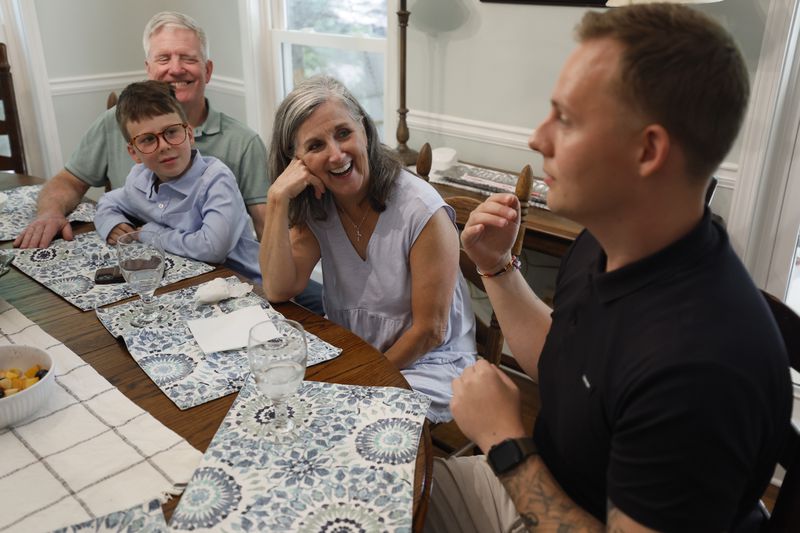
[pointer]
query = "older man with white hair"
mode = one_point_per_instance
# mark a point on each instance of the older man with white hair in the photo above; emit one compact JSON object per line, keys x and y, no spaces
{"x":176,"y":51}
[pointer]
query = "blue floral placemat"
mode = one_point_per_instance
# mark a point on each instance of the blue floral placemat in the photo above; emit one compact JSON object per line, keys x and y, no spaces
{"x":348,"y":467}
{"x":20,"y":209}
{"x":168,"y":353}
{"x":147,"y":517}
{"x":67,"y":268}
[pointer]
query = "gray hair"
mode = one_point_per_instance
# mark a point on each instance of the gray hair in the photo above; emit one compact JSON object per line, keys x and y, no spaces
{"x":295,"y":109}
{"x":176,"y":20}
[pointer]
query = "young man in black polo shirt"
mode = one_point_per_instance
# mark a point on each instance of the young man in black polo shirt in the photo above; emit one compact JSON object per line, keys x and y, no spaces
{"x":665,"y":394}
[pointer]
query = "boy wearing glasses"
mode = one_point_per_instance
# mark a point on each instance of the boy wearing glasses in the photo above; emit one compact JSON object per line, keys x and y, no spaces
{"x":192,"y":201}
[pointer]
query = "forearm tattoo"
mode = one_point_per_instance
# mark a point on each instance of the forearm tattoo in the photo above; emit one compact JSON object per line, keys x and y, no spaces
{"x":542,"y":503}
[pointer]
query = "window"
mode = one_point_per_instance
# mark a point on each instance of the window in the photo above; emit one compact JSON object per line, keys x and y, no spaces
{"x":342,"y":38}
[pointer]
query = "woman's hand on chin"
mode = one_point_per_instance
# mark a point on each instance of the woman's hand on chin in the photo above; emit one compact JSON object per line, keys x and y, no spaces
{"x":294,"y":180}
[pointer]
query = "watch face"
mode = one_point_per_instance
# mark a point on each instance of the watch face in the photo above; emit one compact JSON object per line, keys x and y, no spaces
{"x":510,"y":453}
{"x":505,"y":456}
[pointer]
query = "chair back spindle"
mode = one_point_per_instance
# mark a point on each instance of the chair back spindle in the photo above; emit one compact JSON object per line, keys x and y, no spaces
{"x":488,"y":335}
{"x":424,"y":161}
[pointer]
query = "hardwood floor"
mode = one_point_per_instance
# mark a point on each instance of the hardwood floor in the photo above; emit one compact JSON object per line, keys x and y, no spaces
{"x":450,"y":438}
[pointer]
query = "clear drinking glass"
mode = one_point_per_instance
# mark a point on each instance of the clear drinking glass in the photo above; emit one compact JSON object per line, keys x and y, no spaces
{"x":277,"y":353}
{"x":141,"y":260}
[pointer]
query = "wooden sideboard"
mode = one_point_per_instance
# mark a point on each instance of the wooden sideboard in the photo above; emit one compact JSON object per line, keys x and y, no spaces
{"x":545,"y":231}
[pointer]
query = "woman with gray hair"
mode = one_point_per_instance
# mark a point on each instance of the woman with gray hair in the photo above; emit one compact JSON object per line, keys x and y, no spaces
{"x":388,"y":242}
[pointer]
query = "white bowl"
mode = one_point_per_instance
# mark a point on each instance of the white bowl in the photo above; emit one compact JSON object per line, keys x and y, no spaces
{"x":443,"y":158}
{"x":22,"y":405}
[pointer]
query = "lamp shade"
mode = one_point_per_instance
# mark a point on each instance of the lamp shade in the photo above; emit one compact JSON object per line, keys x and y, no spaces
{"x":620,"y":3}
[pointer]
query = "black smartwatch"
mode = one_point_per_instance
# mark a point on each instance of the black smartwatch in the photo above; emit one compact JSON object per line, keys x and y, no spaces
{"x":510,"y":453}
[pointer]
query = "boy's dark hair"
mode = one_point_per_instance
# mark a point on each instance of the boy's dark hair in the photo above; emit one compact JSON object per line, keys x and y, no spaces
{"x":146,"y":99}
{"x":682,"y":70}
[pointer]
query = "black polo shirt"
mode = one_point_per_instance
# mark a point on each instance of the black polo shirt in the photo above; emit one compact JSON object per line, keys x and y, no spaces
{"x":664,"y":385}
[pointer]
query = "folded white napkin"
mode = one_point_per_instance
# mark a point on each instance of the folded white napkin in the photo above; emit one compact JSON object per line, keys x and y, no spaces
{"x":228,"y":331}
{"x":218,"y":289}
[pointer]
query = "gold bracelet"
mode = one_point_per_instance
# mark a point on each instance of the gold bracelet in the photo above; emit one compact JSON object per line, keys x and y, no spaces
{"x":513,"y":264}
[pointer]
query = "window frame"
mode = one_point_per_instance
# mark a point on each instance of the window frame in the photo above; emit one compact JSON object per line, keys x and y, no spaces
{"x":267,"y":62}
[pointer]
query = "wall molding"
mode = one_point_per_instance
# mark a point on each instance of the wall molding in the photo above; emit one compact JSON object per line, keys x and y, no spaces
{"x":472,"y":130}
{"x":727,"y":175}
{"x":115,"y":80}
{"x":34,"y":101}
{"x":257,"y":59}
{"x":768,"y":140}
{"x":225,"y":84}
{"x":513,"y":137}
{"x":93,"y":82}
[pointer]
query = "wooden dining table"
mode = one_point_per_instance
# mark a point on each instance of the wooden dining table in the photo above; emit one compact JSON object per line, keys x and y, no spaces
{"x":82,"y":332}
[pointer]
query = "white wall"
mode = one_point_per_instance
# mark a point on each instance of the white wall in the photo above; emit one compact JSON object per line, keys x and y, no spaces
{"x":94,"y":46}
{"x":480,"y":74}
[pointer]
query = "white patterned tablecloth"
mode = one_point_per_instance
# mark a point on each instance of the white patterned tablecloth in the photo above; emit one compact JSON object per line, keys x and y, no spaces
{"x":20,"y":209}
{"x":349,"y":467}
{"x":169,"y":354}
{"x":88,"y":452}
{"x":67,"y":268}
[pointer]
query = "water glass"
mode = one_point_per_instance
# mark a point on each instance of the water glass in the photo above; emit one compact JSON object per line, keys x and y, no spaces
{"x":141,"y":260}
{"x":277,"y":353}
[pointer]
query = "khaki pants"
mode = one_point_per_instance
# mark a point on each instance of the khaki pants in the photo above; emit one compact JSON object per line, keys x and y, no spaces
{"x":467,"y":497}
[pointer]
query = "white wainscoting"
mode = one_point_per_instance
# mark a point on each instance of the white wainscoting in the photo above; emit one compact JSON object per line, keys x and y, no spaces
{"x":115,"y":80}
{"x":76,"y":105}
{"x":471,"y":130}
{"x":512,"y":137}
{"x":93,"y":83}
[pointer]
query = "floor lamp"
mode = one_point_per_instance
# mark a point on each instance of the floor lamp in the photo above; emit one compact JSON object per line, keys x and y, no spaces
{"x":406,"y":154}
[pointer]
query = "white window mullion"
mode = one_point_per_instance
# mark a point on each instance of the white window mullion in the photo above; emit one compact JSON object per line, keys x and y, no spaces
{"x":285,"y":53}
{"x":278,"y":49}
{"x":327,"y":40}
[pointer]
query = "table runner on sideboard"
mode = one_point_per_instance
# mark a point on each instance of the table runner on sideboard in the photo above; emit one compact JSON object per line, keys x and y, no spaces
{"x":88,"y":452}
{"x":169,"y":354}
{"x":20,"y":209}
{"x":350,"y":462}
{"x":67,"y":268}
{"x":486,"y":181}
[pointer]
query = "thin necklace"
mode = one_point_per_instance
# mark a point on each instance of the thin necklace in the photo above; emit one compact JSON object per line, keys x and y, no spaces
{"x":356,"y":226}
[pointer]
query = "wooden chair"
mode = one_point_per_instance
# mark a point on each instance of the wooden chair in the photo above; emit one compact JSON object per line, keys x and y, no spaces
{"x":712,"y":187}
{"x":424,"y":161}
{"x":786,"y":512}
{"x":488,"y":336}
{"x":12,"y":155}
{"x":111,"y":101}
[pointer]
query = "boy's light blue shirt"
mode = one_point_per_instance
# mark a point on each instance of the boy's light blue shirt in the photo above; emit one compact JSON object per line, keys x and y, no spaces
{"x":200,"y":215}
